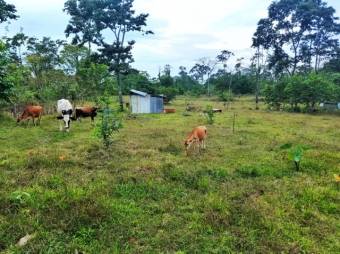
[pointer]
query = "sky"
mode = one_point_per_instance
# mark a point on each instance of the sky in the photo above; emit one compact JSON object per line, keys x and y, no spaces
{"x":185,"y":30}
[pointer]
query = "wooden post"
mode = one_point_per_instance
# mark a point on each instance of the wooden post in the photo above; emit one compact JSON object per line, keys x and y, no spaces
{"x":234,"y":120}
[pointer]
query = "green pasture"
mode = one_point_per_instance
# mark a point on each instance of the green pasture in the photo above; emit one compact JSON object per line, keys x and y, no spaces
{"x":144,"y":195}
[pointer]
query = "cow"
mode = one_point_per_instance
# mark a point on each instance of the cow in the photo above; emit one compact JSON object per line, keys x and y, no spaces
{"x":196,"y":137}
{"x":31,"y":112}
{"x":64,"y":107}
{"x":86,"y":112}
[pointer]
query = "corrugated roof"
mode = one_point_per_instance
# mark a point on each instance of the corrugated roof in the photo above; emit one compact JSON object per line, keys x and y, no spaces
{"x":133,"y":91}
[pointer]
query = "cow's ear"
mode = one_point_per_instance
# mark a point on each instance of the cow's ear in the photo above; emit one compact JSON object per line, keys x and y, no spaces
{"x":73,"y":118}
{"x":60,"y":117}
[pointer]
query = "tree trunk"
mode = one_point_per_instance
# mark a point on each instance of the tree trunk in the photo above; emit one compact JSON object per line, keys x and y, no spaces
{"x":257,"y":79}
{"x":120,"y":92}
{"x":208,"y":85}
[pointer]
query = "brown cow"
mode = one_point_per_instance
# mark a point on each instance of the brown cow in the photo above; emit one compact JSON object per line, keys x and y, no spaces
{"x":86,"y":112}
{"x":196,"y":137}
{"x":31,"y":112}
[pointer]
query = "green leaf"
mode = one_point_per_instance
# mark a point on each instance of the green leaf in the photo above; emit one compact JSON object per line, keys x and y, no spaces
{"x":286,"y":146}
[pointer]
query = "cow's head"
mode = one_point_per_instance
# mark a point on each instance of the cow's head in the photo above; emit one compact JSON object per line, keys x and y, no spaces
{"x":66,"y":117}
{"x":189,"y":142}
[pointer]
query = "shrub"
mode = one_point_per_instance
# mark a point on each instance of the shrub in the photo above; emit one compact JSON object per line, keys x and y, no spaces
{"x":302,"y":90}
{"x":209,"y":113}
{"x":226,"y":96}
{"x":108,"y":125}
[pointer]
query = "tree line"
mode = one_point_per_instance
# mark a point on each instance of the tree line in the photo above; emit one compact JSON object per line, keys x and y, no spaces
{"x":295,"y":64}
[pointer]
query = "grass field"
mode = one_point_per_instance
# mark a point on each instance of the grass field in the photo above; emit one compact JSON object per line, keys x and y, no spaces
{"x":143,"y":195}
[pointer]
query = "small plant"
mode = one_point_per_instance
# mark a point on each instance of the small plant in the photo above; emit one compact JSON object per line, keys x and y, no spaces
{"x":295,"y":153}
{"x":108,"y":125}
{"x":226,"y":97}
{"x":20,"y":197}
{"x":209,"y":113}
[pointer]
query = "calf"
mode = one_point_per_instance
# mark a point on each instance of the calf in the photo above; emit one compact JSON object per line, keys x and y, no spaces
{"x":33,"y":112}
{"x":196,"y":137}
{"x":86,"y":112}
{"x":64,"y":107}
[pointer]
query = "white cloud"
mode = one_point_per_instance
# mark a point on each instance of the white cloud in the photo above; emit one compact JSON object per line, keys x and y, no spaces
{"x":190,"y":29}
{"x":185,"y":30}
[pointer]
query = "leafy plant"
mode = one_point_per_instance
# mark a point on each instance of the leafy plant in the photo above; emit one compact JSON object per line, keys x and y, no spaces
{"x":226,"y":96}
{"x":209,"y":113}
{"x":295,"y":153}
{"x":109,"y":124}
{"x":20,"y":197}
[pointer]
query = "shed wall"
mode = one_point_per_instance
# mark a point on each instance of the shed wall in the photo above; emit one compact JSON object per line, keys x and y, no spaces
{"x":156,"y":105}
{"x":140,"y":104}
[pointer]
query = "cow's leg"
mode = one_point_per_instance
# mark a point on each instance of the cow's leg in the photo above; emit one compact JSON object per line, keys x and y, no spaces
{"x":27,"y":122}
{"x":200,"y":146}
{"x":60,"y":126}
{"x":197,"y":146}
{"x":33,"y":120}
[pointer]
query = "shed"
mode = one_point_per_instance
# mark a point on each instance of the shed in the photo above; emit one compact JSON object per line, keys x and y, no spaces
{"x":144,"y":103}
{"x":330,"y":106}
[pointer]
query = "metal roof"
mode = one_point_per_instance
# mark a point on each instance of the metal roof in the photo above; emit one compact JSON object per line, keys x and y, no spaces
{"x":133,"y":91}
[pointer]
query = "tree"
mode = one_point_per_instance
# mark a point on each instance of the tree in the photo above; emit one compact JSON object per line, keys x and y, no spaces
{"x":43,"y":55}
{"x":333,"y":65}
{"x":5,"y":84}
{"x":256,"y":64}
{"x":223,"y":59}
{"x":83,"y":25}
{"x":295,"y":32}
{"x":16,"y":43}
{"x":72,"y":57}
{"x":165,"y":79}
{"x":204,"y":68}
{"x":99,"y":16}
{"x":7,"y":11}
{"x":184,"y":82}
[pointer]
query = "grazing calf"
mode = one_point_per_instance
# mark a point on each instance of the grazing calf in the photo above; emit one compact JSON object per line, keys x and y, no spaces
{"x":64,"y":107}
{"x":33,"y":112}
{"x":86,"y":112}
{"x":196,"y":137}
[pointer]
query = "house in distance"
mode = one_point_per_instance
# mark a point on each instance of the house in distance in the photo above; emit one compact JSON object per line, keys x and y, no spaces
{"x":144,"y":103}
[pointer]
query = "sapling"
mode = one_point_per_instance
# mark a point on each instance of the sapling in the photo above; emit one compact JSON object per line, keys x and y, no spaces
{"x":209,"y":113}
{"x":108,"y":124}
{"x":295,"y":153}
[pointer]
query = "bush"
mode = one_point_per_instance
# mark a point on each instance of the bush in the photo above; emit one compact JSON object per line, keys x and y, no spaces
{"x":209,"y":113}
{"x":226,"y":96}
{"x":296,"y":91}
{"x":108,"y":125}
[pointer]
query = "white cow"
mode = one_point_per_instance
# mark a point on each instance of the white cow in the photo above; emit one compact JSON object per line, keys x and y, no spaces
{"x":65,"y":108}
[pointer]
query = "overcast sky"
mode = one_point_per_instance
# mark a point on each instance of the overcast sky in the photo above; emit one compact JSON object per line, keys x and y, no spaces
{"x":185,"y":30}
